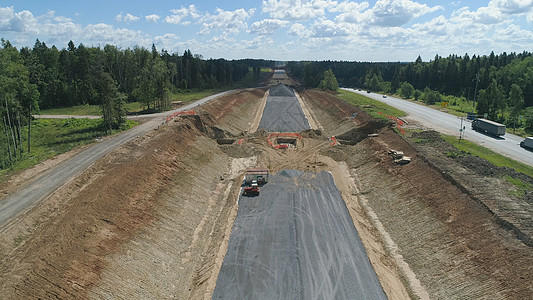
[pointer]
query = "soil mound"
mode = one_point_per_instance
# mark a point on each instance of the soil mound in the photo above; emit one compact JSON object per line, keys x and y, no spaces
{"x":240,"y":151}
{"x":311,"y":133}
{"x":356,"y":135}
{"x":476,"y":164}
{"x":281,"y":90}
{"x":203,"y":124}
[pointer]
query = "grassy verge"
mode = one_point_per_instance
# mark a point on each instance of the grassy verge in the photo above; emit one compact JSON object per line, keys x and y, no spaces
{"x":187,"y":96}
{"x":489,"y":155}
{"x":459,"y":106}
{"x":51,"y":137}
{"x":88,"y":110}
{"x":80,"y":110}
{"x":184,"y":96}
{"x":371,"y":106}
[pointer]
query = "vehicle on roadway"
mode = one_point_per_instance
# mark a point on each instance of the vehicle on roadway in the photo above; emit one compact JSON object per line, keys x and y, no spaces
{"x":384,"y":96}
{"x":488,"y":126}
{"x":527,"y":143}
{"x":471,"y":115}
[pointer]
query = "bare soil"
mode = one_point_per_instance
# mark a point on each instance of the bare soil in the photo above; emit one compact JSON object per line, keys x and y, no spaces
{"x":151,"y":220}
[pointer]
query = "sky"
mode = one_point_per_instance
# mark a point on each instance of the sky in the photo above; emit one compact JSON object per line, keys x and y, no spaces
{"x":383,"y":30}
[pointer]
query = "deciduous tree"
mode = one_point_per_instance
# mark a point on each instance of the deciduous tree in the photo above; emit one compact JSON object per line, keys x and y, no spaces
{"x":329,"y":82}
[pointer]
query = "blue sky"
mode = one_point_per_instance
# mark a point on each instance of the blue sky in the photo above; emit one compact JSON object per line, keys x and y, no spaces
{"x":383,"y":30}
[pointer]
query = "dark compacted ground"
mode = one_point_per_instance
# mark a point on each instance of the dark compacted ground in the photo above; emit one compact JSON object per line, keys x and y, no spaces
{"x":296,"y":240}
{"x":282,"y":112}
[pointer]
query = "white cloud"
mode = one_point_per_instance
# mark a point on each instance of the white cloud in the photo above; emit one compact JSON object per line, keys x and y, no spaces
{"x":515,"y":34}
{"x":107,"y":34}
{"x":512,"y":6}
{"x":153,"y":18}
{"x":166,"y":41}
{"x":256,"y":43}
{"x":487,"y":15}
{"x":530,"y":17}
{"x":62,"y":19}
{"x":17,"y":22}
{"x":299,"y":30}
{"x":223,"y":38}
{"x":352,"y":12}
{"x":296,"y":9}
{"x":225,"y":21}
{"x":127,"y":18}
{"x":59,"y":30}
{"x":327,"y":28}
{"x":439,"y":26}
{"x":392,"y":13}
{"x":267,"y":26}
{"x":178,"y":15}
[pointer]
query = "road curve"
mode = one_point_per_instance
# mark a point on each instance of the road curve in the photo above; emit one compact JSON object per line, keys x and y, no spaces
{"x":508,"y":145}
{"x":28,"y":195}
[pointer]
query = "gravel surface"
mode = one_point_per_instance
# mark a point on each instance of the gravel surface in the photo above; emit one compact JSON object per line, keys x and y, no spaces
{"x":296,"y":240}
{"x":282,"y":112}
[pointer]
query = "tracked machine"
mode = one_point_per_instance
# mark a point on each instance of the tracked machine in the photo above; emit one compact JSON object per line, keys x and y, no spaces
{"x":253,"y":179}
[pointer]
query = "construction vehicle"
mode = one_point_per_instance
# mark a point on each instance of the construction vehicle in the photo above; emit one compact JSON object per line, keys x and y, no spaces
{"x":527,"y":143}
{"x":488,"y":126}
{"x":252,"y":189}
{"x":398,"y":157}
{"x":253,"y":179}
{"x":259,"y":175}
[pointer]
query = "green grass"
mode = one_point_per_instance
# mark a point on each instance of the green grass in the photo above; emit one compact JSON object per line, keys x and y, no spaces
{"x":50,"y":137}
{"x":190,"y":96}
{"x":88,"y":110}
{"x":187,"y":96}
{"x":521,"y":187}
{"x":184,"y":96}
{"x":370,"y":106}
{"x":489,"y":155}
{"x":80,"y":110}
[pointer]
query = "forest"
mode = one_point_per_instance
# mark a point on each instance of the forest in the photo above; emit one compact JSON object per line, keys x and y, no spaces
{"x":45,"y":77}
{"x":501,"y":85}
{"x":42,"y":77}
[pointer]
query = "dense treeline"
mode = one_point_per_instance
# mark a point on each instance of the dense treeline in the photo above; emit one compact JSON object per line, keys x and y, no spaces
{"x":69,"y":76}
{"x":46,"y":77}
{"x":502,"y":85}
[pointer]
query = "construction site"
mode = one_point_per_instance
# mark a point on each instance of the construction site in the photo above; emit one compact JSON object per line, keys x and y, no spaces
{"x":274,"y":193}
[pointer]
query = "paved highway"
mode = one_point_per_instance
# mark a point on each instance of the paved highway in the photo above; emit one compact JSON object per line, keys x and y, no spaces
{"x":508,"y":145}
{"x":32,"y":193}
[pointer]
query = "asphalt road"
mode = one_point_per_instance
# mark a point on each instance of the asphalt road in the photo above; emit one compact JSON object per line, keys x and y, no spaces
{"x":32,"y":193}
{"x":508,"y":145}
{"x":296,"y":240}
{"x":283,"y":112}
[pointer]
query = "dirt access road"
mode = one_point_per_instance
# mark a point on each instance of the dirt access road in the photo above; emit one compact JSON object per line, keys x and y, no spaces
{"x":152,"y":218}
{"x":16,"y":202}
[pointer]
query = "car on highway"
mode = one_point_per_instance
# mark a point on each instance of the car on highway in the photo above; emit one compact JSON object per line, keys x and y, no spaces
{"x":384,"y":96}
{"x":527,"y":143}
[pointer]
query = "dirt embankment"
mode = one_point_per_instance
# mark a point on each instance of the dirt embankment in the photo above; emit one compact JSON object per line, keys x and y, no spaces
{"x":454,"y":245}
{"x":152,"y":218}
{"x":135,"y":224}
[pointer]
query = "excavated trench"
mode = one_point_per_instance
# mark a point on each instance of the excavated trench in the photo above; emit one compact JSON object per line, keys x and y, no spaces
{"x":356,"y":135}
{"x":153,"y":218}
